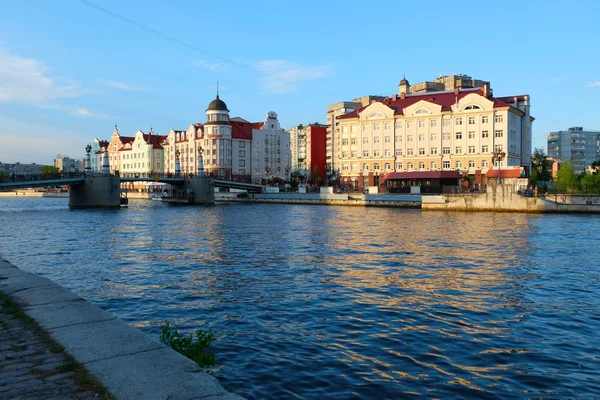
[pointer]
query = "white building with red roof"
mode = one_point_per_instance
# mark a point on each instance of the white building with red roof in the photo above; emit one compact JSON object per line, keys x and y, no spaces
{"x":144,"y":155}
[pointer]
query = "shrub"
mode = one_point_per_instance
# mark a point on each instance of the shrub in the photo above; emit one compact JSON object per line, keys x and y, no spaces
{"x":193,"y":347}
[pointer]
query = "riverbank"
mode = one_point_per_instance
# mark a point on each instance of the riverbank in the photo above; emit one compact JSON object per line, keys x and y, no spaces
{"x":32,"y":194}
{"x":128,"y":363}
{"x":345,"y":199}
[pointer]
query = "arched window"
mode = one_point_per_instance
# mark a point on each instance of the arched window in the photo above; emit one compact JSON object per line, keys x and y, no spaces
{"x":409,"y":166}
{"x":421,"y":165}
{"x":421,"y":111}
{"x":375,"y":115}
{"x":376,"y":166}
{"x":472,"y":107}
{"x":458,"y":164}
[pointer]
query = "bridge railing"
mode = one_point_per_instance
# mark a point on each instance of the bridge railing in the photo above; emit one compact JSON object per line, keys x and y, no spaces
{"x":11,"y":178}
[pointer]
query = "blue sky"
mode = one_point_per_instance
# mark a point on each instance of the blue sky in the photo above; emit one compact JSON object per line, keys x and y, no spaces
{"x":69,"y":72}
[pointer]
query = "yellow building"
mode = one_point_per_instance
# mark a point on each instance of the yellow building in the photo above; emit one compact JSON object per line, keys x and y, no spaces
{"x":407,"y":136}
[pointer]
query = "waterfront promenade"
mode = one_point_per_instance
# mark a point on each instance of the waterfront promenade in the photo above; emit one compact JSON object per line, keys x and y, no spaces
{"x":55,"y":325}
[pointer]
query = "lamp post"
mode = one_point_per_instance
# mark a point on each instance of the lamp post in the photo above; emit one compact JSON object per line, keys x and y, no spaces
{"x":88,"y":163}
{"x":267,"y":169}
{"x":498,"y":156}
{"x":177,"y":163}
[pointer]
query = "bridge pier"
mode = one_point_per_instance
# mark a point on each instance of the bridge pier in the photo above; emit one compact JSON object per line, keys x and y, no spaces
{"x":96,"y":191}
{"x":201,"y":189}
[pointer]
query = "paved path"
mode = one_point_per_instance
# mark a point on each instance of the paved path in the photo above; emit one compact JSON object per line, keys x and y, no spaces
{"x":31,"y":367}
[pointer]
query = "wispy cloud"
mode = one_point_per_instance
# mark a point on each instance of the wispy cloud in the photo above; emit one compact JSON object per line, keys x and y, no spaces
{"x":75,"y":111}
{"x":124,"y":86}
{"x":208,"y":65}
{"x":593,"y":84}
{"x":27,"y":80}
{"x":560,"y":78}
{"x":283,"y":76}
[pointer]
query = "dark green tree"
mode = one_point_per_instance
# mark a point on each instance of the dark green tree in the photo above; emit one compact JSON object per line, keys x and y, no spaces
{"x":590,"y":183}
{"x":540,"y":167}
{"x":49,"y":170}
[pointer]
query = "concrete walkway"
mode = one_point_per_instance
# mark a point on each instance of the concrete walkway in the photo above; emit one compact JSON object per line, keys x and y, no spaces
{"x":130,"y":364}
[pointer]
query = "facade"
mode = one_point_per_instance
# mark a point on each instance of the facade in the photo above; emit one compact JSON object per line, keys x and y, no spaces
{"x":332,"y":151}
{"x":458,"y":130}
{"x":67,"y":164}
{"x":298,"y":149}
{"x":577,"y":145}
{"x":115,"y":144}
{"x":308,"y":145}
{"x":232,"y":148}
{"x":96,"y":154}
{"x":20,"y":169}
{"x":142,"y":156}
{"x":443,"y":83}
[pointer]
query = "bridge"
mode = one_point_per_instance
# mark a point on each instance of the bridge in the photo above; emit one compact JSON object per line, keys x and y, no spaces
{"x":104,"y":190}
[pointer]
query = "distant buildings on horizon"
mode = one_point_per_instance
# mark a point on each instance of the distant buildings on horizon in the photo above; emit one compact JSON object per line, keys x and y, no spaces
{"x":577,"y":145}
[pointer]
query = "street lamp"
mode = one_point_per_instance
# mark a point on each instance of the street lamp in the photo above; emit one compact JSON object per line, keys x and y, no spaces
{"x":88,"y":161}
{"x":498,"y":156}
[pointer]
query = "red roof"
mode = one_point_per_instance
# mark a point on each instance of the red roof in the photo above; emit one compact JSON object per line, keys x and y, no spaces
{"x":258,"y":125}
{"x":126,"y":139}
{"x":155,"y":140}
{"x":503,"y":173}
{"x":445,"y":99}
{"x":241,"y":130}
{"x":423,"y":175}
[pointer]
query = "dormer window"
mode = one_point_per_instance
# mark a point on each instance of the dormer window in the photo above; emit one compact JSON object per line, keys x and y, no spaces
{"x":472,"y":107}
{"x":421,"y":111}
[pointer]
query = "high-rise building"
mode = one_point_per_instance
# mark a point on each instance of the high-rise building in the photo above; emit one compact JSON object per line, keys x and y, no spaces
{"x":308,"y":150}
{"x":20,"y":169}
{"x":576,"y":145}
{"x":444,"y":82}
{"x":68,"y":165}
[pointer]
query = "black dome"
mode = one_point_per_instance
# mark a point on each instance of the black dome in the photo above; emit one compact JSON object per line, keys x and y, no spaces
{"x":404,"y":82}
{"x":217,"y":105}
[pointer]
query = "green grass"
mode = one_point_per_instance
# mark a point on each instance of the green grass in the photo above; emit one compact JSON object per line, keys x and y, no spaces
{"x":82,"y":377}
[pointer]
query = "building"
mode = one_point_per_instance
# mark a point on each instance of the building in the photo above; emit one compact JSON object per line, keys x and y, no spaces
{"x":333,"y":111}
{"x":232,"y":148}
{"x":97,"y":153}
{"x":143,"y":156}
{"x":69,"y":165}
{"x":433,"y":138}
{"x":308,"y":144}
{"x":580,"y":147}
{"x":443,"y":83}
{"x":115,"y":144}
{"x":20,"y":169}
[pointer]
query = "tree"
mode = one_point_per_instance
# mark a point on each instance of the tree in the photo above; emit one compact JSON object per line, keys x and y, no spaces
{"x":595,"y":167}
{"x":566,"y":180}
{"x":49,"y":170}
{"x":590,"y":183}
{"x":540,"y":167}
{"x":316,"y":176}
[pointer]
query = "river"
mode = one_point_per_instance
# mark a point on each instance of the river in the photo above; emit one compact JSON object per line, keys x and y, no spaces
{"x":340,"y":302}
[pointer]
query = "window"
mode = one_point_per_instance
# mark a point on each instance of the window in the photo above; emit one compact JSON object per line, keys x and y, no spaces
{"x":458,"y":150}
{"x":354,"y":154}
{"x":446,"y":136}
{"x":365,"y":153}
{"x":499,"y":133}
{"x":498,"y":148}
{"x":485,"y":134}
{"x":471,"y":120}
{"x":399,"y":165}
{"x":242,"y":153}
{"x":387,"y":139}
{"x":345,"y":167}
{"x":365,"y":127}
{"x":409,"y":138}
{"x":365,"y":140}
{"x":421,"y":123}
{"x":345,"y":154}
{"x":433,"y":165}
{"x":242,"y":145}
{"x":344,"y":142}
{"x":387,"y":153}
{"x":471,"y":134}
{"x":398,"y":124}
{"x":376,"y":153}
{"x":433,"y":123}
{"x":398,"y":139}
{"x":458,"y":164}
{"x":445,"y":164}
{"x":409,"y":166}
{"x":484,"y":164}
{"x":434,"y":136}
{"x":376,"y":166}
{"x":354,"y":167}
{"x":445,"y":122}
{"x":421,"y":137}
{"x":485,"y":119}
{"x":365,"y":167}
{"x":375,"y":127}
{"x":445,"y":150}
{"x":421,"y":111}
{"x":471,"y":164}
{"x":353,"y":128}
{"x":344,"y":129}
{"x":458,"y":121}
{"x":398,"y":152}
{"x":242,"y":163}
{"x":434,"y":150}
{"x":421,"y":151}
{"x":484,"y":148}
{"x":242,"y":171}
{"x":421,"y":165}
{"x":471,"y":149}
{"x":375,"y":139}
{"x":472,"y":107}
{"x":458,"y":135}
{"x":387,"y":126}
{"x":353,"y":141}
{"x":499,"y":119}
{"x":409,"y":125}
{"x":386,"y":166}
{"x":409,"y":152}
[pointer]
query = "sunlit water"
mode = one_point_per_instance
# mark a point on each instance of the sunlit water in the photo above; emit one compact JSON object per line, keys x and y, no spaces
{"x":340,"y":302}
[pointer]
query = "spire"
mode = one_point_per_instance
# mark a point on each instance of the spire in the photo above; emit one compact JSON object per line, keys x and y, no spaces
{"x":217,"y":89}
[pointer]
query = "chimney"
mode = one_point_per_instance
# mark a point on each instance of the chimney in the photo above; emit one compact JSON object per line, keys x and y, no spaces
{"x":403,"y":95}
{"x":394,"y":97}
{"x":486,"y":89}
{"x":456,"y":91}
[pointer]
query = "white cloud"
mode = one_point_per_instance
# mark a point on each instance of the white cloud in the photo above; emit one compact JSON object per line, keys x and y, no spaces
{"x":209,"y":66}
{"x":593,"y":84}
{"x":282,"y":76}
{"x":27,"y":80}
{"x":75,"y":111}
{"x":124,"y":86}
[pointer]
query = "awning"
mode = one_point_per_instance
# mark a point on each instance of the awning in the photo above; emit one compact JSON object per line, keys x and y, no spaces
{"x":423,"y":175}
{"x":503,"y":173}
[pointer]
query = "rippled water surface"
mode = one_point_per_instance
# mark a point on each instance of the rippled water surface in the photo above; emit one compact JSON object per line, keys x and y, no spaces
{"x":340,"y":302}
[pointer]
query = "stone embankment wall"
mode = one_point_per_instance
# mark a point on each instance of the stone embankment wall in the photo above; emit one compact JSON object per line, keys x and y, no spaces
{"x":128,"y":363}
{"x":502,"y":198}
{"x":388,"y":200}
{"x":33,"y":194}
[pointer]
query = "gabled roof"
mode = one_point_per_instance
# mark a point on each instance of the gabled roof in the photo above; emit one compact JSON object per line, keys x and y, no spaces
{"x":445,"y":99}
{"x":241,"y":130}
